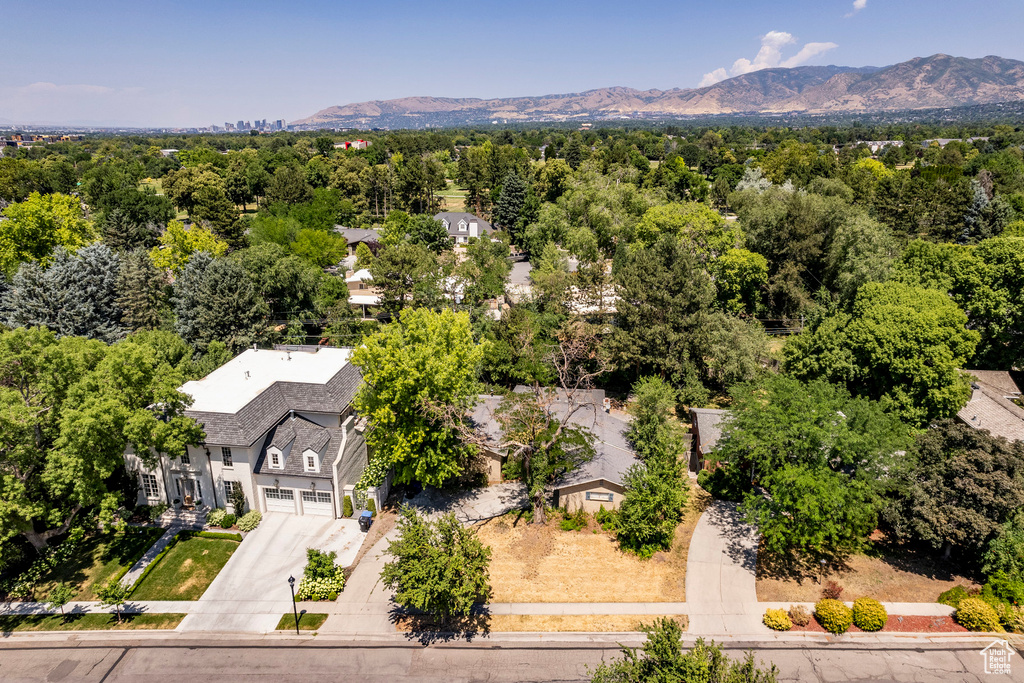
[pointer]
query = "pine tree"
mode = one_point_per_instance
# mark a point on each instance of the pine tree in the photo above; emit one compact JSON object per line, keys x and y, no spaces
{"x":187,"y":294}
{"x":139,"y":287}
{"x":510,"y":202}
{"x":121,"y":233}
{"x":229,"y":309}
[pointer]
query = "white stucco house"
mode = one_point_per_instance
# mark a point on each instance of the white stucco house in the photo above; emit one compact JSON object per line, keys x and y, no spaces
{"x":280,"y":425}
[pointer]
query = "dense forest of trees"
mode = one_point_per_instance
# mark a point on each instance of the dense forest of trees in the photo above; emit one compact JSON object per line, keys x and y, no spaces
{"x":679,"y":248}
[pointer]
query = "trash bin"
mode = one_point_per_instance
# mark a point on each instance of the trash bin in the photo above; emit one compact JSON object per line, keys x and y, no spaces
{"x":365,"y":520}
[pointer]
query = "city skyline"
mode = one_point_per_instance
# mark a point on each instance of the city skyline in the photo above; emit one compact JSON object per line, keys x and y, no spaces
{"x":202,"y":64}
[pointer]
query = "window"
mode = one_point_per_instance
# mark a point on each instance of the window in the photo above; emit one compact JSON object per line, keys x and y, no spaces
{"x":185,"y":460}
{"x":311,"y":463}
{"x":229,"y":488}
{"x":275,"y":459}
{"x":603,"y":497}
{"x":279,"y":494}
{"x":462,"y":226}
{"x":149,"y":486}
{"x":323,"y":497}
{"x":225,"y":456}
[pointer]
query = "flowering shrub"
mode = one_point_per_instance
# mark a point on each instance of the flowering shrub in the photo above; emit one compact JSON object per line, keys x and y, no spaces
{"x":215,"y":517}
{"x":322,"y":576}
{"x":250,"y":520}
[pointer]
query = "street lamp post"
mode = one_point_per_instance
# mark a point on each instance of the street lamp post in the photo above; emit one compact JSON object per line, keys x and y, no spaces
{"x":295,"y":610}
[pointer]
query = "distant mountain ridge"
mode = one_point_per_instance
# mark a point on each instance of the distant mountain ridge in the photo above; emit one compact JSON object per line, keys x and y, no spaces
{"x":920,"y":83}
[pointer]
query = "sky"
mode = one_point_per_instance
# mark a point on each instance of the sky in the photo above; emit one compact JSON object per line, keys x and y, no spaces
{"x":197,"y":63}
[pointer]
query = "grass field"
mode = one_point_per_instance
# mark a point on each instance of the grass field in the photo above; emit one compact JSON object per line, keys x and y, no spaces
{"x":545,"y":564}
{"x":88,"y":622}
{"x":101,"y":558}
{"x":308,"y":621}
{"x":187,"y":570}
{"x":889,"y":576}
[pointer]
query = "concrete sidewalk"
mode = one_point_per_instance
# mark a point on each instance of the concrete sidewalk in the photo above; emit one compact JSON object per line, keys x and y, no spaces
{"x":364,"y":607}
{"x":129,"y":579}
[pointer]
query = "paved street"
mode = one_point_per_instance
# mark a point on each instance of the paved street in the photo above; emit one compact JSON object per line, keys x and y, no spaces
{"x":91,"y":659}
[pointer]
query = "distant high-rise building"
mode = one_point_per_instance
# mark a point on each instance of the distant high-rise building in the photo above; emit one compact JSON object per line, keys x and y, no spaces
{"x":279,"y":124}
{"x":240,"y":125}
{"x":229,"y":126}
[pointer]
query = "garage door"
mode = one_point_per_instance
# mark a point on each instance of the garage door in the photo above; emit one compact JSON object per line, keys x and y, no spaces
{"x":317,"y":503}
{"x":280,"y":500}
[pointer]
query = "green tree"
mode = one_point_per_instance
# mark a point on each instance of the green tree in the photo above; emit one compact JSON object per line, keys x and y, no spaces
{"x":398,"y":271}
{"x":652,"y":405}
{"x":1005,"y":551}
{"x":186,"y":296}
{"x":424,"y":362}
{"x":485,"y":270}
{"x":364,"y":256}
{"x":511,"y":201}
{"x":963,"y":485}
{"x":140,"y":292}
{"x":113,"y":594}
{"x":288,"y":185}
{"x":662,"y":660}
{"x":423,"y":229}
{"x":862,"y":250}
{"x":902,"y":345}
{"x":703,"y":228}
{"x":179,"y":243}
{"x":318,"y":247}
{"x":741,"y":280}
{"x":653,"y":505}
{"x":60,"y":595}
{"x":35,"y":227}
{"x":439,"y":567}
{"x":69,"y":408}
{"x":228,"y":308}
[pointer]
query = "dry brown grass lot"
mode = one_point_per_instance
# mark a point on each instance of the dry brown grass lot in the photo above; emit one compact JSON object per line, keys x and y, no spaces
{"x":510,"y":623}
{"x":897,"y":575}
{"x":531,"y":563}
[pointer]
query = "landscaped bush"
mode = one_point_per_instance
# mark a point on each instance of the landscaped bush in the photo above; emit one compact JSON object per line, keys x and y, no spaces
{"x":832,"y":590}
{"x":215,"y":517}
{"x":606,"y":518}
{"x":573,"y":521}
{"x":250,"y":520}
{"x":724,"y":483}
{"x":227,"y":522}
{"x":975,"y":614}
{"x":834,"y":616}
{"x":953,"y":596}
{"x":1013,"y":620}
{"x":371,"y":506}
{"x":321,"y":577}
{"x":869,"y":614}
{"x":346,"y":507}
{"x":1004,"y":588}
{"x":799,"y":615}
{"x":156,"y":510}
{"x":777,"y":620}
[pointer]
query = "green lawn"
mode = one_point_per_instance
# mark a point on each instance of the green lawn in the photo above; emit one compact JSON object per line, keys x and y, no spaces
{"x":101,"y":558}
{"x":88,"y":622}
{"x":308,"y":621}
{"x":186,"y":571}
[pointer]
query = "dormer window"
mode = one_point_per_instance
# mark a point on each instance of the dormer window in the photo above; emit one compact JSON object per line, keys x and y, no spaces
{"x":275,"y":459}
{"x":311,"y":461}
{"x":462,"y":226}
{"x":447,"y":225}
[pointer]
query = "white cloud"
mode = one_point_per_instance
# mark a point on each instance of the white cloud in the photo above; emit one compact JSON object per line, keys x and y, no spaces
{"x":770,"y":55}
{"x":858,"y":5}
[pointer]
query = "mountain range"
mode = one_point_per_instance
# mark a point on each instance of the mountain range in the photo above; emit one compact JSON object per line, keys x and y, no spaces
{"x":921,"y":83}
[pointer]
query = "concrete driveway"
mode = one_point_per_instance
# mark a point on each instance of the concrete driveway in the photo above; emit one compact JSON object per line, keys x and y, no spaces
{"x":472,"y":505}
{"x":251,"y":592}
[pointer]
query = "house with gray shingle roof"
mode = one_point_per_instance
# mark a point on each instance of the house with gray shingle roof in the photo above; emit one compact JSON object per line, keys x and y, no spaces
{"x":279,"y":425}
{"x":993,"y":406}
{"x":461,"y":226}
{"x":706,"y":429}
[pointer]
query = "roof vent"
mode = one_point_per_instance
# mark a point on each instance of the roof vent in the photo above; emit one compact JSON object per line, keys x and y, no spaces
{"x":247,"y":374}
{"x":291,"y":414}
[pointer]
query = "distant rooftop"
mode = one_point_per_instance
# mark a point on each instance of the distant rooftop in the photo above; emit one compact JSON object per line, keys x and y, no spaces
{"x":236,"y":383}
{"x":991,"y":406}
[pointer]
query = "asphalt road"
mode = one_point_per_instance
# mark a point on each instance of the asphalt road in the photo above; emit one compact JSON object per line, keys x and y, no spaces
{"x":105,"y":660}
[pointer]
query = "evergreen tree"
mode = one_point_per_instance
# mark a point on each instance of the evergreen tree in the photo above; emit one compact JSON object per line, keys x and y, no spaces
{"x":187,"y":293}
{"x":139,"y":292}
{"x":122,"y":233}
{"x":75,"y":296}
{"x":510,"y":202}
{"x":229,"y":309}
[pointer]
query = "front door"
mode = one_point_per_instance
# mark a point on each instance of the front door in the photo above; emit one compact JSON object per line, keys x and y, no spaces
{"x":186,"y":490}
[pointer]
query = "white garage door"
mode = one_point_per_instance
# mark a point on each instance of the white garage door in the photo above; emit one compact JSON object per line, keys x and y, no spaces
{"x":280,"y":500}
{"x":317,"y":503}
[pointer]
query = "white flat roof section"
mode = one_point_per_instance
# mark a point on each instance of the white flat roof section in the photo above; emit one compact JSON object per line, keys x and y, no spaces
{"x":234,"y":384}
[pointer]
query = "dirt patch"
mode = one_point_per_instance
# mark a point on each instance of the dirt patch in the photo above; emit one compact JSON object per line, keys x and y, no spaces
{"x":511,"y":623}
{"x":532,"y":563}
{"x":383,"y":523}
{"x":888,"y":575}
{"x":899,"y":624}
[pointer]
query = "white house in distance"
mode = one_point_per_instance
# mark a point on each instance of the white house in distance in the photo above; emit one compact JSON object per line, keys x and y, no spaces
{"x":461,"y":226}
{"x":280,"y":425}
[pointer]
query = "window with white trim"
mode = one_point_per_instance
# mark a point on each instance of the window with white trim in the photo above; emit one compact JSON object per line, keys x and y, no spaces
{"x":279,"y":494}
{"x":185,"y":460}
{"x":603,"y":497}
{"x":323,"y":497}
{"x":229,"y":488}
{"x":225,"y":456}
{"x":275,"y":460}
{"x":310,"y":462}
{"x":462,"y":226}
{"x":149,"y":486}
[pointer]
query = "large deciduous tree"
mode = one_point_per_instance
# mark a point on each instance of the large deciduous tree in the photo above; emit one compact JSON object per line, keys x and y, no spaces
{"x":69,"y":407}
{"x":35,"y":227}
{"x":422,"y":363}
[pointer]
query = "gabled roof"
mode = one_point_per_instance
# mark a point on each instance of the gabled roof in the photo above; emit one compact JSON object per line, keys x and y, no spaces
{"x":453,"y":218}
{"x":991,"y":406}
{"x":613,"y":454}
{"x":361,"y":275}
{"x":252,"y":420}
{"x":293,"y":436}
{"x":708,"y":422}
{"x":354,"y":235}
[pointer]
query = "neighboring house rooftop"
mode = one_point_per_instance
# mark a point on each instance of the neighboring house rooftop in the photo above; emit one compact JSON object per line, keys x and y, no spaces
{"x":708,"y":422}
{"x":238,"y":402}
{"x":454,"y":217}
{"x":991,"y":405}
{"x":361,"y":275}
{"x":354,"y":235}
